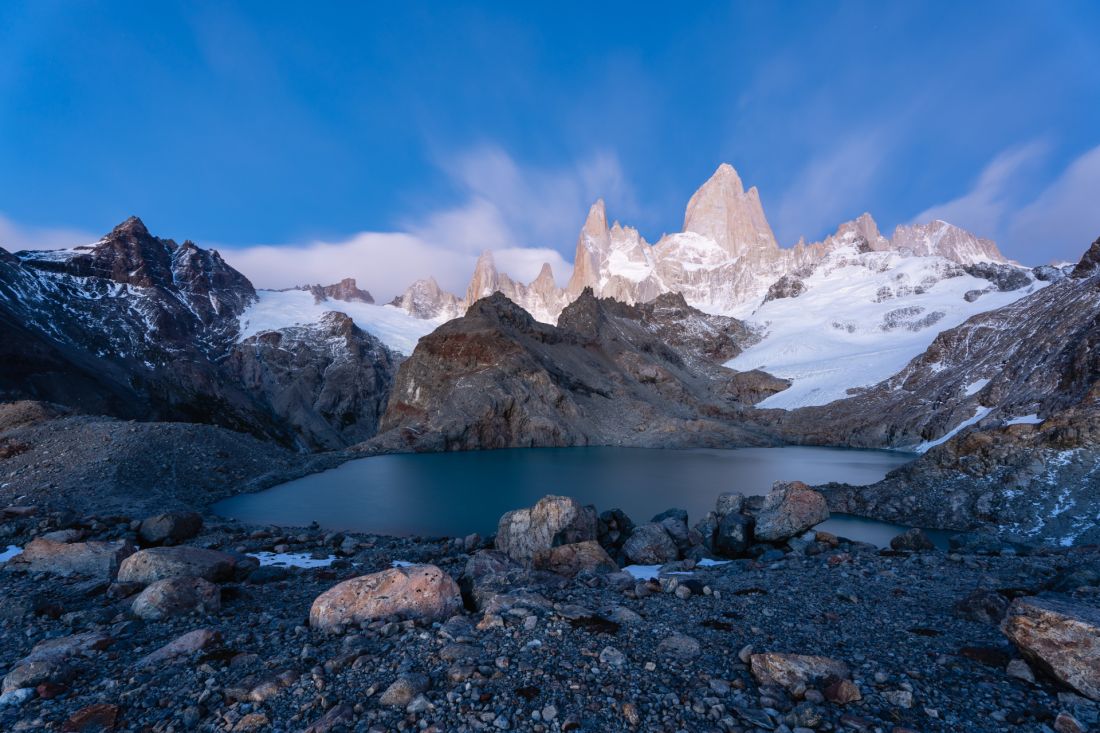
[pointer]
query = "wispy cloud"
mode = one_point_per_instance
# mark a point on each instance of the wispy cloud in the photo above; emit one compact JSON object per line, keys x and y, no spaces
{"x":525,"y":214}
{"x":1065,"y":218}
{"x":1057,"y":223}
{"x":14,"y":236}
{"x":828,"y":189}
{"x":984,"y":207}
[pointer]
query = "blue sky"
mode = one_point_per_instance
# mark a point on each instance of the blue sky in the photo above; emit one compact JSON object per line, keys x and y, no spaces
{"x":393,"y":140}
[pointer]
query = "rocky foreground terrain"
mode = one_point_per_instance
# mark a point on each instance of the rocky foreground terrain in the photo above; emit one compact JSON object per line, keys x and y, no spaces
{"x":112,"y":621}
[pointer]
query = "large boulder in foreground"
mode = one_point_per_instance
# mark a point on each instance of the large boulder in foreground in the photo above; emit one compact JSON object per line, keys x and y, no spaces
{"x":789,"y":510}
{"x":93,"y":559}
{"x":650,"y":544}
{"x":170,"y":527}
{"x":157,"y":563}
{"x":1060,"y":636}
{"x":421,"y":592}
{"x":177,"y":597}
{"x":553,"y":521}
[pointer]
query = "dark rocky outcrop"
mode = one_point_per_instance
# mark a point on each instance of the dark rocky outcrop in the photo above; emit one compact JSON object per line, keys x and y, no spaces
{"x":328,"y":382}
{"x":345,"y":290}
{"x":607,"y":374}
{"x":1035,"y":477}
{"x":139,"y":327}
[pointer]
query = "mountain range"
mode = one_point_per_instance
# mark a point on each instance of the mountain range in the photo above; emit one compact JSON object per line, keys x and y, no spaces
{"x":928,"y":341}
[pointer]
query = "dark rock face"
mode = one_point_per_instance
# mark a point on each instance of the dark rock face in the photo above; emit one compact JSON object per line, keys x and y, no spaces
{"x":787,"y":286}
{"x":345,"y":290}
{"x":1090,"y":262}
{"x":328,"y":382}
{"x":1034,"y":479}
{"x":1005,"y":277}
{"x":140,"y":327}
{"x":609,"y":373}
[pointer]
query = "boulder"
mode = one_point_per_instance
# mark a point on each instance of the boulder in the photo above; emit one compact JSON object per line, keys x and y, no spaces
{"x":733,"y":535}
{"x":614,"y":528}
{"x":791,"y":670}
{"x":402,"y":691}
{"x":984,"y":606}
{"x":650,"y":545}
{"x":1059,"y":636}
{"x":679,"y":646}
{"x":789,"y":510}
{"x":191,"y":642}
{"x":170,"y":527}
{"x":553,"y":521}
{"x":49,"y":659}
{"x":912,"y":540}
{"x":677,"y":528}
{"x":572,"y":559}
{"x":728,"y":503}
{"x":176,"y":597}
{"x":94,"y":559}
{"x":92,"y":719}
{"x":422,"y":592}
{"x":157,"y":563}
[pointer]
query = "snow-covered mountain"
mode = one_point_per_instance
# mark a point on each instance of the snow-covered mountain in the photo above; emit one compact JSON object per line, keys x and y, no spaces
{"x":857,"y":317}
{"x":724,"y":261}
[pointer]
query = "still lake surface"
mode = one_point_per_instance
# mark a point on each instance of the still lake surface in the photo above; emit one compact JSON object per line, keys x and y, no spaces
{"x":454,"y":494}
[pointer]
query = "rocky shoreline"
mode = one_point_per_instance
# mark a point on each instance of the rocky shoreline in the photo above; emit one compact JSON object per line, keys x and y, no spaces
{"x":173,"y":624}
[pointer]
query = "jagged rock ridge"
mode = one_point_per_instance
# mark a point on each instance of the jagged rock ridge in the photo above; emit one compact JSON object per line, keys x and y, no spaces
{"x":723,"y":261}
{"x":607,"y":374}
{"x":142,"y":327}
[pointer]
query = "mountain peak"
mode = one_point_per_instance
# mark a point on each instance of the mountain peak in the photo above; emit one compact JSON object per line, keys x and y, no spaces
{"x":946,"y":240}
{"x":1090,"y":262}
{"x":723,"y":211}
{"x":133,"y":226}
{"x":726,"y":174}
{"x":595,"y":224}
{"x":546,"y":274}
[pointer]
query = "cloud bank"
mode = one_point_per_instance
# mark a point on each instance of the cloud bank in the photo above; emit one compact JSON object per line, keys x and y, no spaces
{"x":522,"y":213}
{"x":1056,"y":224}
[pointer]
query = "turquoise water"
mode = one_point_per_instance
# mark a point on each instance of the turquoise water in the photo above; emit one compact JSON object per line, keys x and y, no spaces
{"x":454,"y":494}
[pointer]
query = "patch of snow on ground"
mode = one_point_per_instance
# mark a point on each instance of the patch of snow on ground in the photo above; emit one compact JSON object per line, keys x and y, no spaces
{"x":846,"y":331}
{"x":393,"y":326}
{"x":292,"y":559}
{"x":708,"y":562}
{"x":10,"y":552}
{"x":1032,"y":419}
{"x":401,"y":564}
{"x":975,"y":387}
{"x":928,"y":444}
{"x":650,"y":572}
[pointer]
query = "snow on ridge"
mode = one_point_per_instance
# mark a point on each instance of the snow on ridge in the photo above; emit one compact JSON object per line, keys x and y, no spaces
{"x":975,"y":387}
{"x":276,"y":309}
{"x":1031,"y":419}
{"x":862,"y":319}
{"x":979,"y":414}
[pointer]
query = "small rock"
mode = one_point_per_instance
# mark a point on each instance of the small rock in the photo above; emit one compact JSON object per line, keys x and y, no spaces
{"x":1019,"y":669}
{"x":92,"y":719}
{"x":189,"y":643}
{"x":402,"y":691}
{"x":170,"y":527}
{"x":612,"y":657}
{"x":679,"y":646}
{"x":912,"y":540}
